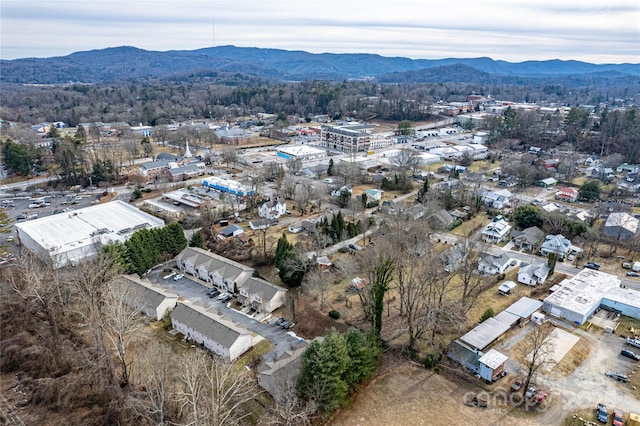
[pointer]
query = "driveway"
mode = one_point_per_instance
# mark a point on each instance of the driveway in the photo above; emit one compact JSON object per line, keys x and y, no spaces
{"x":587,"y":385}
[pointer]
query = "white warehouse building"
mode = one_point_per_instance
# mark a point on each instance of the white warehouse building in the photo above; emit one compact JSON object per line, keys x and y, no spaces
{"x":578,"y":298}
{"x":73,"y":237}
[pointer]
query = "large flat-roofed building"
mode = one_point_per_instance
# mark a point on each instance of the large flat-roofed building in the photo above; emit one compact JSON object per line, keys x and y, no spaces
{"x":303,"y":152}
{"x":350,"y":137}
{"x":578,"y":298}
{"x":73,"y":237}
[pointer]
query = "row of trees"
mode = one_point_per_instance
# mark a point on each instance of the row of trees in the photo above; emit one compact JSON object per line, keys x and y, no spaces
{"x":149,"y":247}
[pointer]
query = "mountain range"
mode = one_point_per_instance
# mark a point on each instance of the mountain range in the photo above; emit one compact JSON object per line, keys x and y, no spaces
{"x":127,"y":63}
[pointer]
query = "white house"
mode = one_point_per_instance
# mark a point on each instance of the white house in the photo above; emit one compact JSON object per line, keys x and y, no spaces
{"x":212,"y":331}
{"x":373,"y":195}
{"x":212,"y":268}
{"x":533,"y":275}
{"x":261,"y":295}
{"x":496,"y":231}
{"x":294,"y":228}
{"x":272,"y":209}
{"x":559,"y":245}
{"x":495,"y":199}
{"x":490,"y":264}
{"x":152,"y":301}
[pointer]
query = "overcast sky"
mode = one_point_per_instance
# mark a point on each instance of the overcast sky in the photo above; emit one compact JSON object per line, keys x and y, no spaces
{"x":604,"y":31}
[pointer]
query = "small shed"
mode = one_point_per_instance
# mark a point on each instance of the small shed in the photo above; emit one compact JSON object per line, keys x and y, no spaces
{"x":507,"y":288}
{"x":492,"y":365}
{"x":231,"y":231}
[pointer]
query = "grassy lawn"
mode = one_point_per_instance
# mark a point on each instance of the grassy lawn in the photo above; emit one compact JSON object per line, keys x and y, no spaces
{"x":469,"y":226}
{"x":258,"y":350}
{"x":484,"y":166}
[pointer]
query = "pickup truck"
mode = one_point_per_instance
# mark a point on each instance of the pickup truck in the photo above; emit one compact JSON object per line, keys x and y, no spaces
{"x":517,"y":385}
{"x":601,"y":413}
{"x":633,"y":342}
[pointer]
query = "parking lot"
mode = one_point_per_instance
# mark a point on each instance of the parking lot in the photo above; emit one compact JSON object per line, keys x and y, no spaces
{"x":587,"y":384}
{"x":18,"y":208}
{"x":195,"y":292}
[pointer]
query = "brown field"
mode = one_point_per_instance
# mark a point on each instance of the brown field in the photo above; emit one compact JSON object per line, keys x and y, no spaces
{"x":406,"y":394}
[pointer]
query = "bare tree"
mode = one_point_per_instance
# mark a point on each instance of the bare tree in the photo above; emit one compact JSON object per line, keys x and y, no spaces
{"x":289,"y":410}
{"x":303,"y":194}
{"x":406,"y":160}
{"x":228,"y":389}
{"x":229,"y":156}
{"x":192,"y":367}
{"x":536,"y":347}
{"x":471,"y":281}
{"x":157,"y":400}
{"x":89,"y":284}
{"x":122,"y":321}
{"x":317,"y":283}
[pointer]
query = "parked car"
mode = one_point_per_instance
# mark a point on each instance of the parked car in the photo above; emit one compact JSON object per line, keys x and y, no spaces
{"x":279,"y":321}
{"x":178,"y":277}
{"x":601,"y":413}
{"x":626,"y":265}
{"x":531,"y":392}
{"x":630,"y":354}
{"x":222,"y":296}
{"x":213,"y":294}
{"x":618,"y":376}
{"x":618,"y":417}
{"x":541,"y":396}
{"x":633,"y":274}
{"x":10,"y":238}
{"x":354,"y":247}
{"x":166,"y":277}
{"x":226,"y":298}
{"x":633,"y":342}
{"x":572,"y":256}
{"x":592,"y":265}
{"x":517,"y":384}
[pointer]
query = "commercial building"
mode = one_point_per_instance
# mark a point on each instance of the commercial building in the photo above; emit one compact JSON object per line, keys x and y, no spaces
{"x":578,"y":298}
{"x":74,"y":237}
{"x":349,"y":137}
{"x":227,"y":186}
{"x":303,"y":152}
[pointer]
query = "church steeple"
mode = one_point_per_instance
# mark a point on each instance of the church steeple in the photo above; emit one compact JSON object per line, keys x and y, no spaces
{"x":187,"y":153}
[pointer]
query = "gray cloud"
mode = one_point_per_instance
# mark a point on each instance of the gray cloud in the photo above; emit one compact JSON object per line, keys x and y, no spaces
{"x":510,"y":30}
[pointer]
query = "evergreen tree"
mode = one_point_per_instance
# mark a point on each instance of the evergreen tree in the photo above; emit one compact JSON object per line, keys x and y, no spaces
{"x":323,"y":367}
{"x":382,"y":278}
{"x":197,"y":240}
{"x":364,"y":354}
{"x":330,"y":169}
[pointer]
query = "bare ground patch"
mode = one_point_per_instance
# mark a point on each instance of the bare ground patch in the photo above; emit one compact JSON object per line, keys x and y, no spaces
{"x":405,"y":394}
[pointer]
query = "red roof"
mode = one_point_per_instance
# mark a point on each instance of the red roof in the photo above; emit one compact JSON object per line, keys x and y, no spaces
{"x":568,"y":190}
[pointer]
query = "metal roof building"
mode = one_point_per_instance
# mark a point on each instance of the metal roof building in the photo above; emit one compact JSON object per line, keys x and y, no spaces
{"x":577,"y":298}
{"x":73,"y":237}
{"x":485,"y":333}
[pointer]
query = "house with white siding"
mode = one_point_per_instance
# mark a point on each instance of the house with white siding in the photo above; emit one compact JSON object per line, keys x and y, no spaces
{"x":272,"y":209}
{"x":261,"y":295}
{"x":496,"y":231}
{"x":212,"y":268}
{"x":212,"y":331}
{"x":533,"y":275}
{"x":151,"y":300}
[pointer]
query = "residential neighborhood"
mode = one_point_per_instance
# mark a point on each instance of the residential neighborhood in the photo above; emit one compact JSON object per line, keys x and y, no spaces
{"x":269,"y":241}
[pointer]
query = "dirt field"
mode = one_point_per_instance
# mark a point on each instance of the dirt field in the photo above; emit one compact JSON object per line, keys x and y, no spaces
{"x":405,"y":394}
